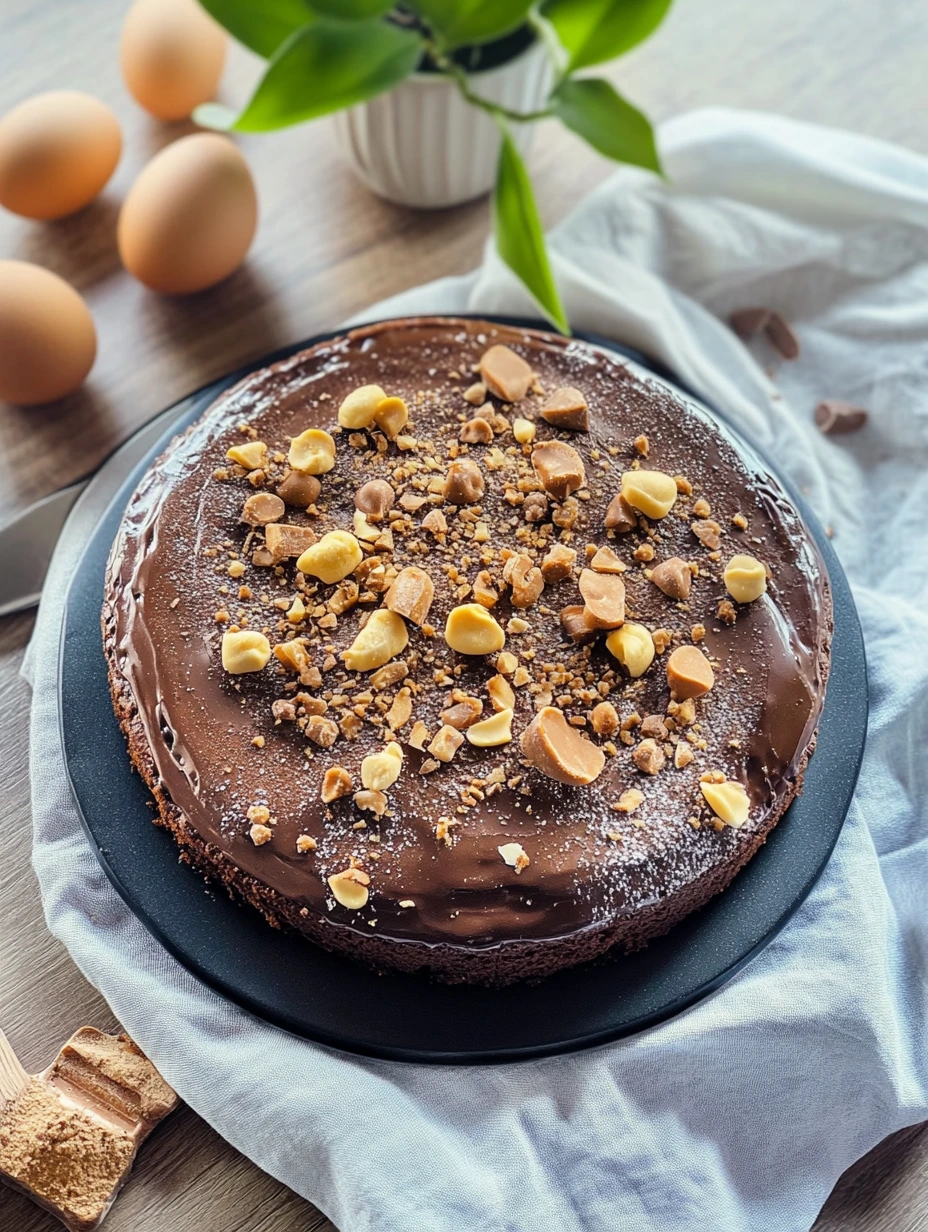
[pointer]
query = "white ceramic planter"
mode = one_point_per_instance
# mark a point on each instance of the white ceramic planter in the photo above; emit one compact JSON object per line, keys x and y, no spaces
{"x":422,"y":144}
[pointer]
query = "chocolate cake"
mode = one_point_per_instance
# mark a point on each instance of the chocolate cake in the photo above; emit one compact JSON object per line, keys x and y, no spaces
{"x":464,"y":649}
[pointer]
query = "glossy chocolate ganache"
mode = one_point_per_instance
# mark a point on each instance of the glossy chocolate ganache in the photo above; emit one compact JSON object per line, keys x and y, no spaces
{"x":633,"y":787}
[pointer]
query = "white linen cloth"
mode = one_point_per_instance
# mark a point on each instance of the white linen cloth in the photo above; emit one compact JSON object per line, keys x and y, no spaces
{"x":741,"y":1113}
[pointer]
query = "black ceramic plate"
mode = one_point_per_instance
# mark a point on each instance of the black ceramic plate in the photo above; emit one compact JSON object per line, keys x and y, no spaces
{"x":295,"y":985}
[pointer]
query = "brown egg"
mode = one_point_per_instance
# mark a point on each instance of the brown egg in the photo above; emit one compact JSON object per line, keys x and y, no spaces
{"x":190,"y":217}
{"x":172,"y":54}
{"x":47,"y":339}
{"x":57,"y":150}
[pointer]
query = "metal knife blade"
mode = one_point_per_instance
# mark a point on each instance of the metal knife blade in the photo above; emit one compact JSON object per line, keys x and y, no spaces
{"x":28,"y":540}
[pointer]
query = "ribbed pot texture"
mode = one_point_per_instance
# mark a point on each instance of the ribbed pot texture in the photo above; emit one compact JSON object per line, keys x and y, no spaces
{"x":424,"y":145}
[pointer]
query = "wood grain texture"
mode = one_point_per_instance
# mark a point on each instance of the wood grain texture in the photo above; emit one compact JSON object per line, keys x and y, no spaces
{"x":326,"y":247}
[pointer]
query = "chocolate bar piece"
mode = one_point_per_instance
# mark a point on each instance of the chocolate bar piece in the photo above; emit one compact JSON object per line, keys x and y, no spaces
{"x":69,"y":1135}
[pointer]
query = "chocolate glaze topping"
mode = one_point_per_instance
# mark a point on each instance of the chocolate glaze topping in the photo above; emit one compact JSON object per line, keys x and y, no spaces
{"x":199,"y":723}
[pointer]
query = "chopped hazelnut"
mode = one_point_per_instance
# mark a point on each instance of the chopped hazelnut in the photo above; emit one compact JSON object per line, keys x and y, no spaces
{"x":620,"y":516}
{"x":463,"y":483}
{"x":559,"y":751}
{"x":567,"y":408}
{"x":558,"y":563}
{"x":642,"y":445}
{"x":445,"y":743}
{"x":349,"y":888}
{"x":674,"y":577}
{"x":374,"y":499}
{"x":299,"y":489}
{"x":383,"y":637}
{"x":336,"y":554}
{"x":651,"y":492}
{"x":633,"y":646}
{"x":262,"y":508}
{"x":630,"y":800}
{"x":484,"y":591}
{"x":606,"y":561}
{"x":649,"y":757}
{"x":505,"y":373}
{"x":321,"y":731}
{"x":360,"y":407}
{"x":523,"y":430}
{"x":491,"y":732}
{"x":604,"y":599}
{"x":689,"y":673}
{"x":389,"y":674}
{"x":701,"y":508}
{"x":506,"y":663}
{"x":604,"y":719}
{"x":682,"y":755}
{"x":728,"y":800}
{"x":418,"y":735}
{"x":566,"y":513}
{"x":312,"y":452}
{"x":304,"y":843}
{"x":745,"y":578}
{"x":391,"y":417}
{"x":559,"y":467}
{"x":525,"y":578}
{"x":336,"y":783}
{"x":470,"y":629}
{"x":401,"y":710}
{"x":501,"y":695}
{"x":293,"y":654}
{"x":283,"y":710}
{"x":514,"y":855}
{"x":260,"y":835}
{"x":244,"y":651}
{"x":379,"y":771}
{"x":371,"y":800}
{"x":251,"y":455}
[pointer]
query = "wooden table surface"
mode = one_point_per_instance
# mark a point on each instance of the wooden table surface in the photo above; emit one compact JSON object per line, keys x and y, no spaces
{"x":326,"y":248}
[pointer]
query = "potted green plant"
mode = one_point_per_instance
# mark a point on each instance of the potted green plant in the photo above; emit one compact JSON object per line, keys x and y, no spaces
{"x":434,"y":97}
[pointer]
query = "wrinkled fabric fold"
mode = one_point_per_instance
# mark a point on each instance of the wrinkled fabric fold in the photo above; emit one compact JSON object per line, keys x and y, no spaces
{"x":741,"y":1113}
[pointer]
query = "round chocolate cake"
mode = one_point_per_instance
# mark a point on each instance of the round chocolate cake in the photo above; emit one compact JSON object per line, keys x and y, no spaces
{"x":463,"y":648}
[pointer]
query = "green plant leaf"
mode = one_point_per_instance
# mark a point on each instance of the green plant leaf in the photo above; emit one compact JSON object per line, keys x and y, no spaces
{"x":324,"y":67}
{"x":520,"y":240}
{"x":261,"y":25}
{"x":593,"y":31}
{"x":351,"y":10}
{"x":459,"y":22}
{"x":601,"y":116}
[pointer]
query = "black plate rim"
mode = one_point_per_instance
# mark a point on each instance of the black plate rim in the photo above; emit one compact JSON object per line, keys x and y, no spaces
{"x":344,"y":1041}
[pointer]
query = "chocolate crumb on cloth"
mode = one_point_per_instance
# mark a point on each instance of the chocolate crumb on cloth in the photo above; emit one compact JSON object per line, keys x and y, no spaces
{"x":473,"y":602}
{"x":69,"y":1137}
{"x":834,"y":417}
{"x":747,"y":323}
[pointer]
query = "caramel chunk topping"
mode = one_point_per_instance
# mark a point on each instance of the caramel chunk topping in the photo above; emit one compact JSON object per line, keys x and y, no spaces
{"x":689,"y":673}
{"x":575,"y":626}
{"x":505,"y":373}
{"x":411,"y":594}
{"x":604,"y":597}
{"x":559,"y":467}
{"x":476,"y":432}
{"x":673,"y":576}
{"x":284,"y":541}
{"x":525,"y":578}
{"x":620,"y":516}
{"x":567,"y":408}
{"x":335,"y":783}
{"x":559,"y":751}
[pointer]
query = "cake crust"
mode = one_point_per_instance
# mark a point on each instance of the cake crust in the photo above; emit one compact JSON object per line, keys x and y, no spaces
{"x":597,"y":877}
